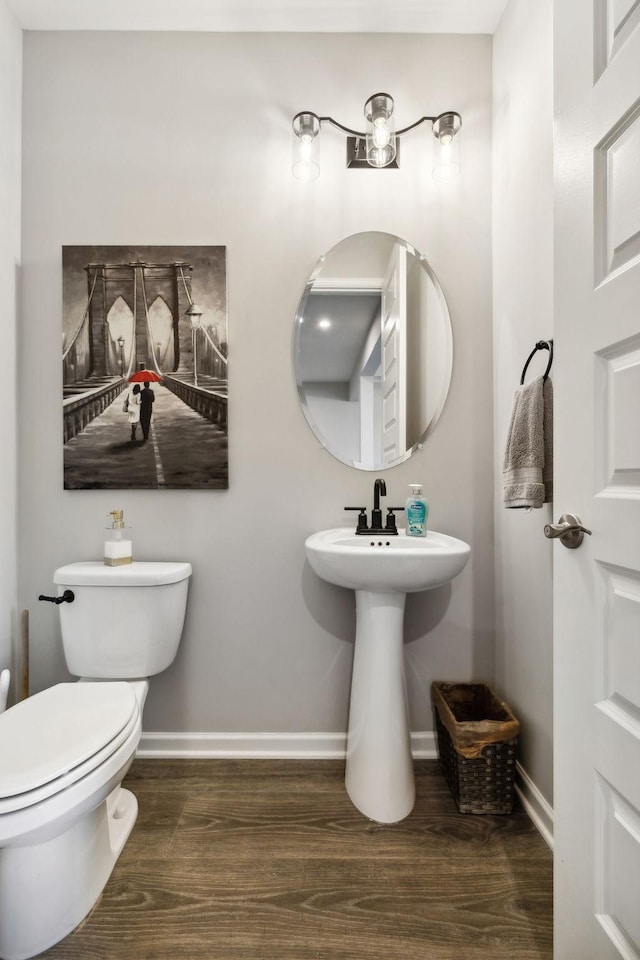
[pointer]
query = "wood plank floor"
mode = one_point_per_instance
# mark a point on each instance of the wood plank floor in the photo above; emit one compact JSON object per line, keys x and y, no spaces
{"x":266,"y":859}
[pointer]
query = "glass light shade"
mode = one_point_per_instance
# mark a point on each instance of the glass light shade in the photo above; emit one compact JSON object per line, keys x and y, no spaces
{"x":446,"y":130}
{"x":380,"y":130}
{"x":195,"y":315}
{"x":306,"y":146}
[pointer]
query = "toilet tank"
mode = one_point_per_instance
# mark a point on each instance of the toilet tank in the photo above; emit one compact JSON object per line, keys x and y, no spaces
{"x":124,"y":622}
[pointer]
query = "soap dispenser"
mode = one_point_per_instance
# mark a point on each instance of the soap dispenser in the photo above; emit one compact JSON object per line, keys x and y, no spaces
{"x":416,"y":512}
{"x":118,"y":542}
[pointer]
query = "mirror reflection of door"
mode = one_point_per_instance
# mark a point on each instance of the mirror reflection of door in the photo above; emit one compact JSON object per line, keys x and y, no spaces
{"x":369,"y":372}
{"x":372,"y":350}
{"x":394,"y":357}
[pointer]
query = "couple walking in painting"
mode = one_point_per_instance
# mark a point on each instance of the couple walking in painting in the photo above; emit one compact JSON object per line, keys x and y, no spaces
{"x":139,"y":409}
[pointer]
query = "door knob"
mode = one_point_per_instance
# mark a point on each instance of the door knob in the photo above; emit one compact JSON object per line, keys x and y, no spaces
{"x":569,"y":529}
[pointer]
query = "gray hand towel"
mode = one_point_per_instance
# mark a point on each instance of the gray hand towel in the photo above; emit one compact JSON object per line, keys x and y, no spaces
{"x":528,"y":457}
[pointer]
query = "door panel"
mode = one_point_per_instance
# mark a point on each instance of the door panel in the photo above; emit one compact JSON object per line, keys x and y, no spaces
{"x":597,"y":476}
{"x":394,"y":356}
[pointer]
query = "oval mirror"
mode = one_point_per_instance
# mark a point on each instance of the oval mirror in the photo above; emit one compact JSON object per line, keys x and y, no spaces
{"x":372,"y":350}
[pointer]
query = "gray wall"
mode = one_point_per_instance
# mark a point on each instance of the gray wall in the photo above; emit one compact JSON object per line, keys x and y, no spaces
{"x":10,"y":159}
{"x":523,"y":314}
{"x":185,"y":138}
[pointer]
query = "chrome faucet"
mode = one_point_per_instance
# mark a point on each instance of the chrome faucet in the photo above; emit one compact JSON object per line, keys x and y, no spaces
{"x":389,"y":529}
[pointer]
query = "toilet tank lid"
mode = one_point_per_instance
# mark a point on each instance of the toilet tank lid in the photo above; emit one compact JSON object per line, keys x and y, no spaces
{"x":140,"y":573}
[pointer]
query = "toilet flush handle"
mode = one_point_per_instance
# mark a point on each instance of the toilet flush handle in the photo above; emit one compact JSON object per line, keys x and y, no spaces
{"x":67,"y":597}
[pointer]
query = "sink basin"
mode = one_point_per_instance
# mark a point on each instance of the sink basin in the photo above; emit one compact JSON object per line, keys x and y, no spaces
{"x":382,"y":570}
{"x":386,"y":564}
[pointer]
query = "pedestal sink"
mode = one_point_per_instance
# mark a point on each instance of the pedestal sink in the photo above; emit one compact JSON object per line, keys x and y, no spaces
{"x":382,"y":570}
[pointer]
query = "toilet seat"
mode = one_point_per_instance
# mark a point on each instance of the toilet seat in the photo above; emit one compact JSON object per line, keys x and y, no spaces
{"x":56,"y":737}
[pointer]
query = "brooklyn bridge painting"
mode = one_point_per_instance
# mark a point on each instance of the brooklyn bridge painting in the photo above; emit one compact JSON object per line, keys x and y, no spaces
{"x":144,"y":359}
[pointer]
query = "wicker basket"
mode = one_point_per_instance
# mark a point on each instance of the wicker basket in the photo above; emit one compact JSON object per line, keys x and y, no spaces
{"x":477,"y":745}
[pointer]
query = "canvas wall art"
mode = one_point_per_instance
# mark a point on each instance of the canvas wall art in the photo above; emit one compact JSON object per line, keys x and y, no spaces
{"x":145,"y":356}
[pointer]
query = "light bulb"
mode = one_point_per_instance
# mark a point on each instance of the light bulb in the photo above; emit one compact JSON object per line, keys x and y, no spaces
{"x":446,"y":130}
{"x":306,"y":149}
{"x":380,"y":134}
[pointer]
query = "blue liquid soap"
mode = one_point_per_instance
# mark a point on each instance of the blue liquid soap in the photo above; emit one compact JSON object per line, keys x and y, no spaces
{"x":416,"y":512}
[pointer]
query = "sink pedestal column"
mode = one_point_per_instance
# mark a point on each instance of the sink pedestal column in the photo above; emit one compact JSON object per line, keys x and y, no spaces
{"x":379,"y":770}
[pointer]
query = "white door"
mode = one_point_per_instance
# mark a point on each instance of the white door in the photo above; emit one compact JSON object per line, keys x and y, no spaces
{"x":394,"y":356}
{"x":371,"y":410}
{"x":597,"y":476}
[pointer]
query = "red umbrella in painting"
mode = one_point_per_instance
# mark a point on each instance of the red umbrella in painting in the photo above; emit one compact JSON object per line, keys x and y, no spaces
{"x":145,"y":376}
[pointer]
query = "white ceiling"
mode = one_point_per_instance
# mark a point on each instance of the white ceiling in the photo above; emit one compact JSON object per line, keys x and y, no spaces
{"x":319,"y":16}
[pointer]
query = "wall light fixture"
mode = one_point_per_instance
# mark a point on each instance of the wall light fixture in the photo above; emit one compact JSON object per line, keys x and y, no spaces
{"x":378,"y":145}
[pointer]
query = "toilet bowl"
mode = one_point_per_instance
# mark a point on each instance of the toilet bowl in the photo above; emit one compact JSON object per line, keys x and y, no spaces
{"x":64,"y":817}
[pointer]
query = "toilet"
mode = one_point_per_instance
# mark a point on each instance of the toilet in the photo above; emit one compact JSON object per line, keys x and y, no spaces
{"x":64,"y":816}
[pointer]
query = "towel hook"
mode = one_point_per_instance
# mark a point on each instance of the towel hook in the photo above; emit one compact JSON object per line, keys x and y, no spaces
{"x":540,"y":345}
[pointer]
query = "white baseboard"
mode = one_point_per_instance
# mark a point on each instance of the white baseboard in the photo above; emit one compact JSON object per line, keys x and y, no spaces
{"x":265,"y":746}
{"x":423,"y":745}
{"x":539,"y":811}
